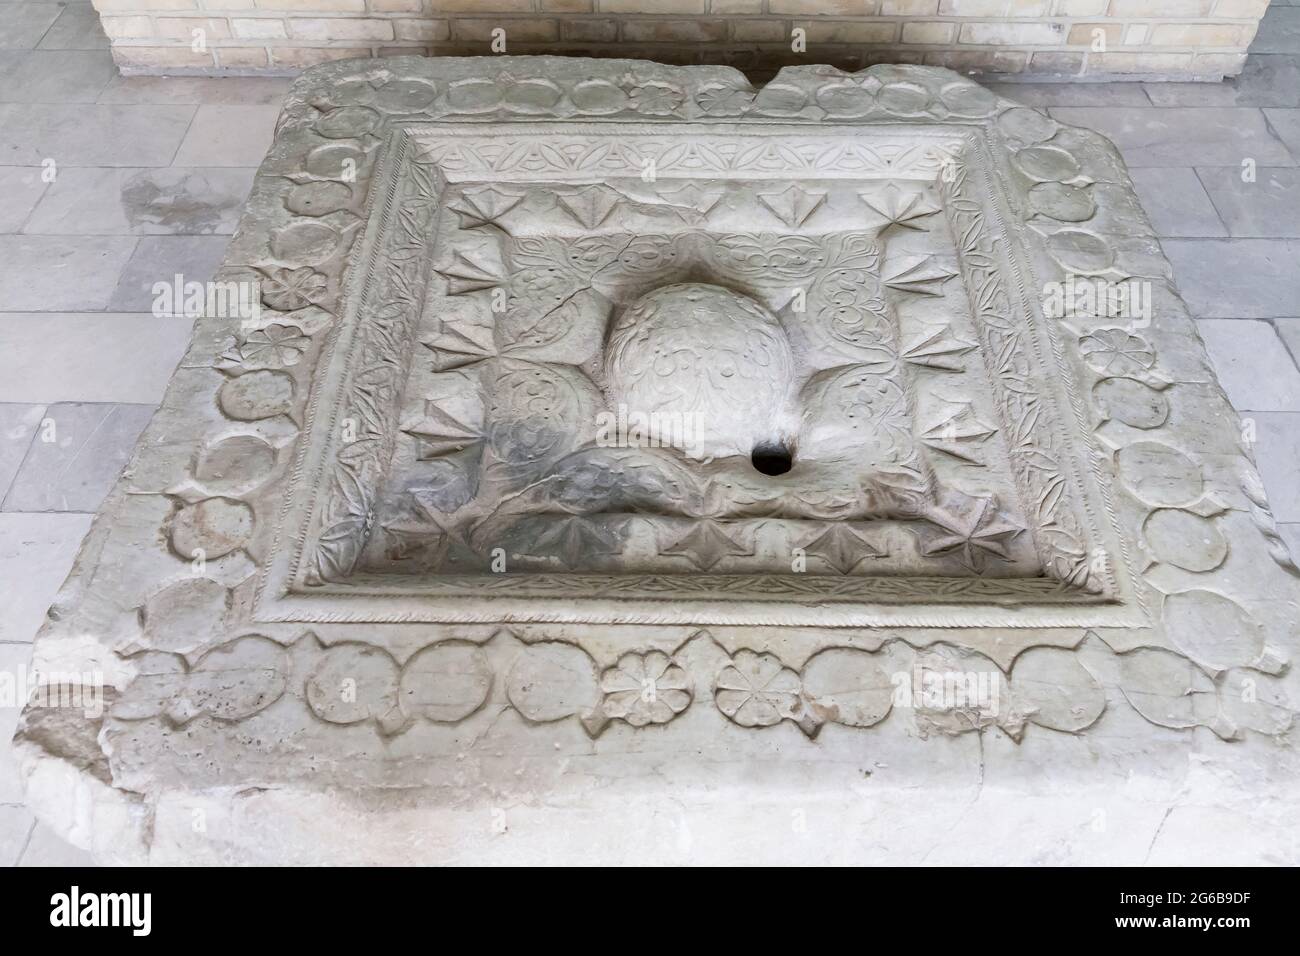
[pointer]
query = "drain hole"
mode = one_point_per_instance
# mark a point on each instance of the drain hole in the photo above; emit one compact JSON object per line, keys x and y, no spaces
{"x":772,"y":459}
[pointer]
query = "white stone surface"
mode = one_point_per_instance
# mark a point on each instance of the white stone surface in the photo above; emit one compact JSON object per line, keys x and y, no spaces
{"x":296,"y":610}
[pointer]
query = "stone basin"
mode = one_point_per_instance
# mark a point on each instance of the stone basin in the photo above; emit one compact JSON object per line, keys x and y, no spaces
{"x":628,"y":464}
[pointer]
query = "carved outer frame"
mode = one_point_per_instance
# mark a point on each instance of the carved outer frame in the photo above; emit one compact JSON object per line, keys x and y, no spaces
{"x":132,"y":573}
{"x":306,"y":584}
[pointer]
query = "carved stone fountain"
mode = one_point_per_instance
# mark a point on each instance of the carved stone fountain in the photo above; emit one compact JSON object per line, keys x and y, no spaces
{"x":625,"y":459}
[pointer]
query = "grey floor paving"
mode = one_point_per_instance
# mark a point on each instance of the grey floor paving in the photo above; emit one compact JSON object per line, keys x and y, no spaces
{"x":113,"y":183}
{"x":1237,"y":278}
{"x":1177,"y":202}
{"x":78,"y":454}
{"x":1183,"y":135}
{"x":124,"y":201}
{"x":1266,"y":204}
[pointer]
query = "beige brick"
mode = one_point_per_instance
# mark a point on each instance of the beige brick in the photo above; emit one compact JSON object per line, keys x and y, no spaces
{"x":182,"y":28}
{"x":385,"y":6}
{"x":589,"y":31}
{"x":431,"y":31}
{"x":1052,"y":61}
{"x":993,"y":8}
{"x":1166,"y":9}
{"x":340,"y":28}
{"x":674,"y":31}
{"x":908,"y":8}
{"x":1201,"y":34}
{"x":1080,"y":8}
{"x":758,"y":31}
{"x":823,"y":8}
{"x":736,"y":7}
{"x":938,"y":32}
{"x":261,"y":28}
{"x":1086,"y":34}
{"x":299,"y":56}
{"x":1136,"y":34}
{"x":482,"y":6}
{"x":980,"y":61}
{"x":517,"y":31}
{"x":129,"y":27}
{"x":1241,"y":9}
{"x":1011,"y":34}
{"x":1138,"y":62}
{"x":1213,"y":64}
{"x":313,"y":6}
{"x":568,"y":6}
{"x":242,"y":57}
{"x":651,"y":6}
{"x":160,"y":57}
{"x":142,"y":6}
{"x":843,"y":31}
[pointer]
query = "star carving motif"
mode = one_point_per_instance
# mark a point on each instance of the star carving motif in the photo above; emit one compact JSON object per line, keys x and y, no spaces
{"x":969,"y":527}
{"x":484,"y":207}
{"x":439,"y":433}
{"x":842,"y":548}
{"x":468,"y":274}
{"x":900,"y":207}
{"x":794,"y":204}
{"x":573,"y":538}
{"x":706,"y":544}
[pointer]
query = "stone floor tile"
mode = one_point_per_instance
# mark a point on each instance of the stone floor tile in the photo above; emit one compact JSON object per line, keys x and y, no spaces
{"x":1286,"y":127}
{"x":73,"y":472}
{"x":1267,"y":80}
{"x":1176,"y":202}
{"x":97,"y":135}
{"x":46,"y":849}
{"x":1289,"y":329}
{"x":1268,"y":207}
{"x":55,"y":76}
{"x":1279,"y":31}
{"x":1237,"y":278}
{"x":1074,"y":94}
{"x":100,"y":357}
{"x":23,"y":24}
{"x":22,"y":188}
{"x":1253,"y":365}
{"x":1183,"y":136}
{"x":1277,"y":452}
{"x":36,"y":553}
{"x":228,"y":136}
{"x":171,"y":90}
{"x":162,"y":258}
{"x":16,"y":823}
{"x":60,"y":273}
{"x":18,"y":424}
{"x":116,"y":201}
{"x":78,"y":28}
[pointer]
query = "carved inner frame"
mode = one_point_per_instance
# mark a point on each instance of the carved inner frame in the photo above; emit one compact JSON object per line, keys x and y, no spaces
{"x":336,"y":558}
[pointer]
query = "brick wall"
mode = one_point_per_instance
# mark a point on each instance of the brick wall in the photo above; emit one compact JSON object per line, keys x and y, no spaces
{"x":1111,"y":38}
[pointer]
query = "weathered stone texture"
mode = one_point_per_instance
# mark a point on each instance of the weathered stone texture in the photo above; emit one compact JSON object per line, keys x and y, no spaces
{"x":396,"y":555}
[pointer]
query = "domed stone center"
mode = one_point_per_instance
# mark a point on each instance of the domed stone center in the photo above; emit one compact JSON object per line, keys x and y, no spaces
{"x":706,"y":369}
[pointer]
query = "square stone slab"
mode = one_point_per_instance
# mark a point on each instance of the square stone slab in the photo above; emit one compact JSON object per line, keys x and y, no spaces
{"x":623,"y":460}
